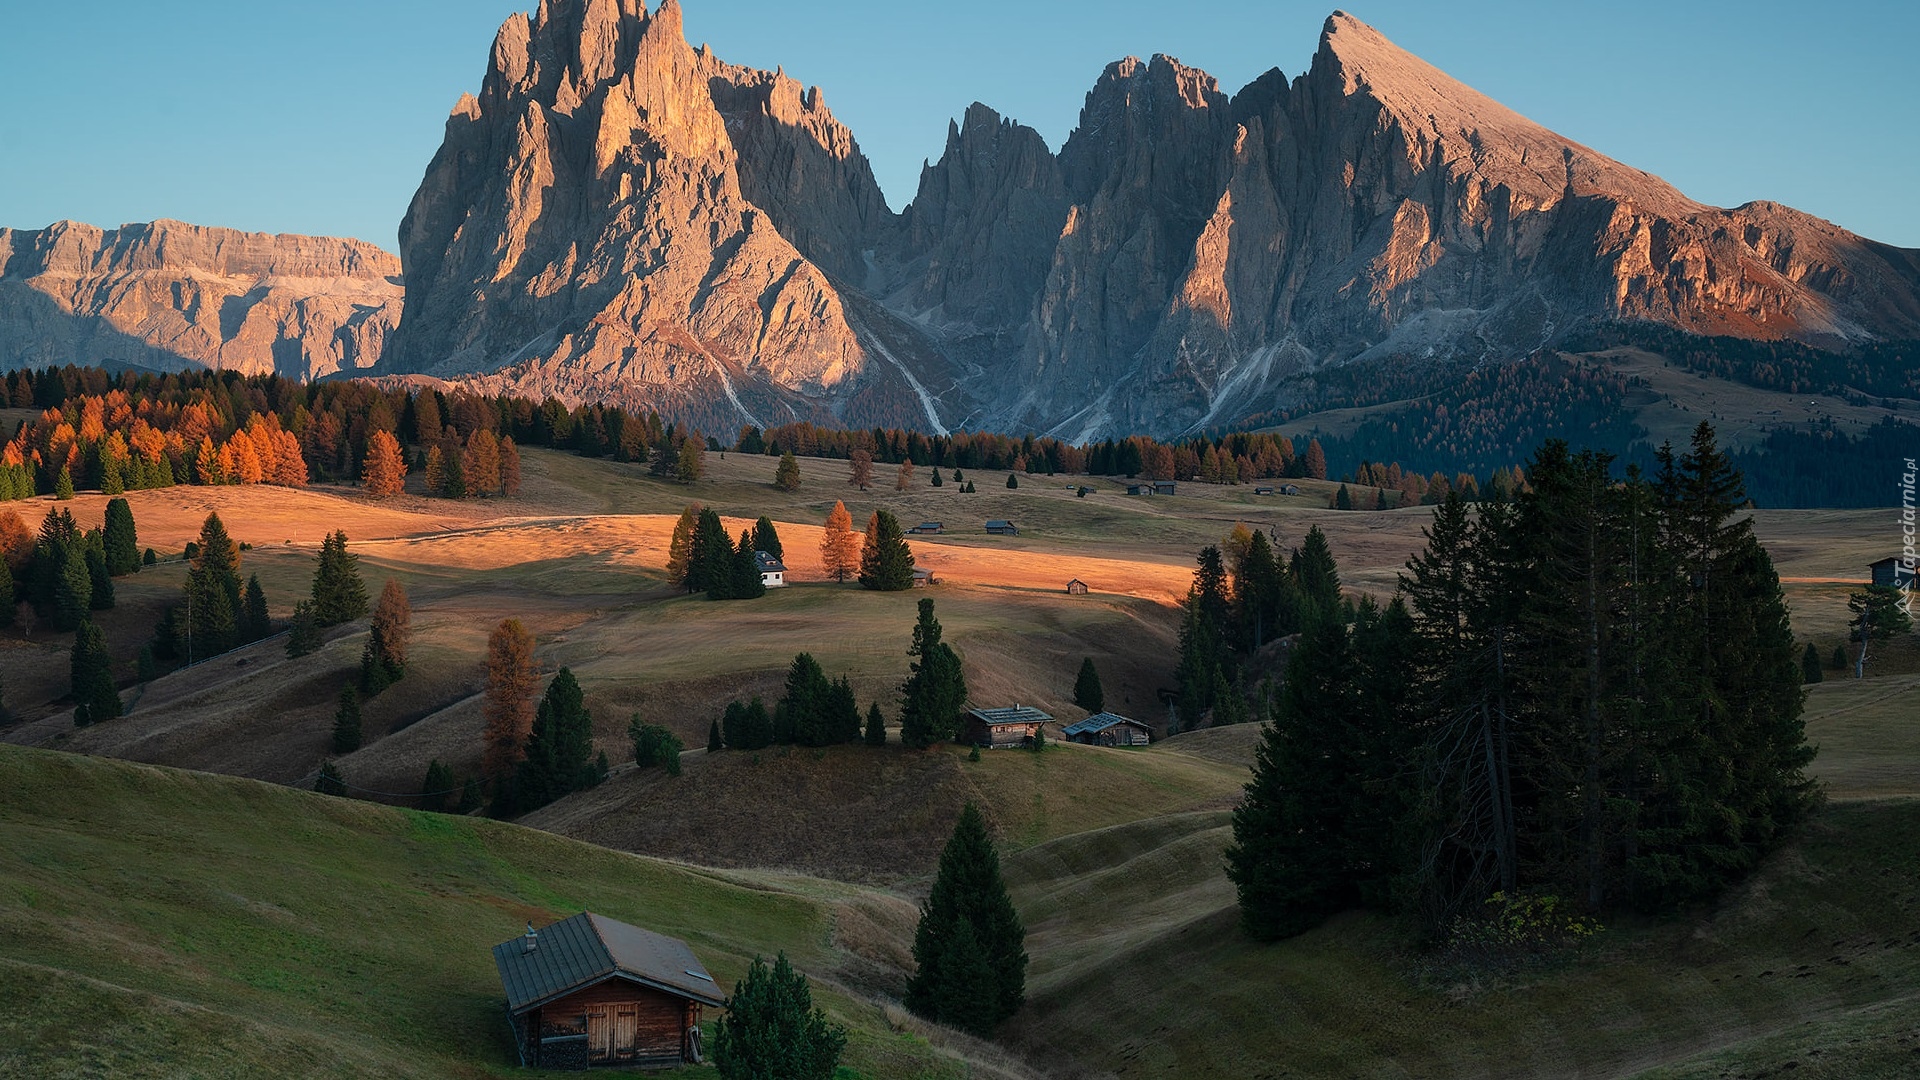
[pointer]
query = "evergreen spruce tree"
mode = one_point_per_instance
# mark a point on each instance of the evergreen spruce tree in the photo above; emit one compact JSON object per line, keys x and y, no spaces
{"x":1314,"y":572}
{"x":122,"y":544}
{"x":1012,"y":481}
{"x":330,"y":781}
{"x":842,"y":713}
{"x":767,"y":539}
{"x":1810,"y":665}
{"x":1086,"y":689}
{"x":710,"y":559}
{"x":304,"y":635}
{"x":936,"y":691}
{"x":680,"y":556}
{"x":63,"y":486}
{"x":438,"y":789}
{"x":1839,"y":661}
{"x":146,"y":668}
{"x":733,"y":729}
{"x":338,"y":594}
{"x":786,"y":476}
{"x":805,"y":702}
{"x":72,"y":587}
{"x":1342,"y":500}
{"x":346,"y":722}
{"x":746,"y":581}
{"x":772,"y":1030}
{"x":559,"y":747}
{"x":757,"y":725}
{"x":100,"y":582}
{"x":255,"y":624}
{"x":714,"y":743}
{"x":968,"y":891}
{"x":886,"y":562}
{"x":94,"y":695}
{"x":876,"y":731}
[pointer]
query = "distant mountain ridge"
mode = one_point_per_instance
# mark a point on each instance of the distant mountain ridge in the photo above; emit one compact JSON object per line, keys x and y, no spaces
{"x":169,"y":295}
{"x":619,"y":216}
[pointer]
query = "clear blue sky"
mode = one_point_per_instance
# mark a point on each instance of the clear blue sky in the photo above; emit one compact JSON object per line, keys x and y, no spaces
{"x":321,"y":117}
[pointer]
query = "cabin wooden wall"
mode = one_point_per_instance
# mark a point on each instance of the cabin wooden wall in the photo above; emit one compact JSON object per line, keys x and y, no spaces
{"x":625,"y":1021}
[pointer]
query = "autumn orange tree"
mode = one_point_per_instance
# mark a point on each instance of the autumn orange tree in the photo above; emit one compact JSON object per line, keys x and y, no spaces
{"x":385,"y":658}
{"x":385,"y":470}
{"x":509,"y":699}
{"x":840,"y":545}
{"x":860,"y":468}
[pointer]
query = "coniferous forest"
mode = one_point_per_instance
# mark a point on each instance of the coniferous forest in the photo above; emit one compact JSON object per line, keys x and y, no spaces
{"x":1588,"y":693}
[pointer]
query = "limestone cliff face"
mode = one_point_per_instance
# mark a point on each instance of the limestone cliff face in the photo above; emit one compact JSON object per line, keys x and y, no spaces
{"x":169,"y":296}
{"x":586,"y":228}
{"x":619,"y":215}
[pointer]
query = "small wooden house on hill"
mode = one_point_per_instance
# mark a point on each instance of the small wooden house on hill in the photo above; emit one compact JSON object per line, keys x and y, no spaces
{"x":1002,"y":528}
{"x":923,"y":577}
{"x":1109,"y":729}
{"x":925,"y":528}
{"x":773,"y":572}
{"x":1263,"y":490}
{"x":589,"y":990}
{"x":1164,"y":487}
{"x":1076,"y":587}
{"x":1000,"y":728}
{"x":1888,"y":571}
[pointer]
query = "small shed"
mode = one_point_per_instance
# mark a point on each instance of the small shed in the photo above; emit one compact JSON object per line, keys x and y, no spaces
{"x":589,"y":990}
{"x":773,"y":572}
{"x":1076,"y":587}
{"x":1000,"y":728}
{"x":1109,"y":729}
{"x":1888,"y":571}
{"x":1139,"y":489}
{"x":1163,"y":487}
{"x":926,"y":528}
{"x":922,"y":577}
{"x":1263,"y":491}
{"x":1289,"y":489}
{"x":1002,"y":528}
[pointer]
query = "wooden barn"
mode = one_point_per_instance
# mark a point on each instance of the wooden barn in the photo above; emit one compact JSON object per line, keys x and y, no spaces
{"x":925,"y":528}
{"x":1076,"y":587}
{"x":1139,"y":489}
{"x":923,"y":577}
{"x":1003,"y":528}
{"x":1000,"y":728}
{"x":1109,"y":729}
{"x":1164,"y":487}
{"x":1290,"y":489}
{"x":1263,"y":491}
{"x":1888,"y":571}
{"x":589,"y":991}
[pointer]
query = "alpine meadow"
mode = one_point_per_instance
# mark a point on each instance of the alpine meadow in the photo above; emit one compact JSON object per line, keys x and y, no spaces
{"x":1329,"y":578}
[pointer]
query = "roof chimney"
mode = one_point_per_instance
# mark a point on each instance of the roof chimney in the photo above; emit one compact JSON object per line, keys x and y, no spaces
{"x":532,"y":940}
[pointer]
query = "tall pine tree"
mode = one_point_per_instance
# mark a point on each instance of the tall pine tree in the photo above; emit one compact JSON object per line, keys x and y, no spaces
{"x":948,"y":985}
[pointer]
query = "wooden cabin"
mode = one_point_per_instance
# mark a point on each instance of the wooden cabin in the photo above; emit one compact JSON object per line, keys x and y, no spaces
{"x":1076,"y":587}
{"x":998,"y":729}
{"x":591,"y":991}
{"x":1289,"y":489}
{"x":926,"y":528}
{"x":1888,"y":571}
{"x":1003,"y":528}
{"x":923,"y":577}
{"x":1139,"y":489}
{"x":1263,"y":490}
{"x":773,"y":572}
{"x":1163,"y":487}
{"x":1109,"y":729}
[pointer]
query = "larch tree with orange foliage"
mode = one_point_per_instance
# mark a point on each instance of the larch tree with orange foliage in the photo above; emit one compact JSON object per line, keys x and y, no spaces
{"x":511,"y":681}
{"x":509,"y":466}
{"x":385,"y":658}
{"x":860,"y":468}
{"x":840,"y":545}
{"x":384,"y":472}
{"x":480,"y":463}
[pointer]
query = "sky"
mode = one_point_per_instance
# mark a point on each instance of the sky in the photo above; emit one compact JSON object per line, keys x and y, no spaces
{"x":321,"y":117}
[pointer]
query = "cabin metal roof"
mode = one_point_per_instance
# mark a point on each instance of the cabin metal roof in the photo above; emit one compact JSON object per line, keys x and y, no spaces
{"x":999,"y":524}
{"x":768,"y":564}
{"x":1018,"y":714}
{"x":585,"y":949}
{"x":1099,"y":722}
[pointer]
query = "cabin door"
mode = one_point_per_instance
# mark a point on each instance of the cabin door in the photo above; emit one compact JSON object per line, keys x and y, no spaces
{"x":626,"y":1029}
{"x":599,"y":1034}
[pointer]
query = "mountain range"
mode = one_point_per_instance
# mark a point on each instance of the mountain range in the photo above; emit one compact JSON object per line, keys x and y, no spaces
{"x":620,"y":216}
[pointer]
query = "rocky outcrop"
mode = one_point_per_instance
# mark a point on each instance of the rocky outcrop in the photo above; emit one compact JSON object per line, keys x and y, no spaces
{"x":169,"y":296}
{"x":584,"y":230}
{"x":618,"y":215}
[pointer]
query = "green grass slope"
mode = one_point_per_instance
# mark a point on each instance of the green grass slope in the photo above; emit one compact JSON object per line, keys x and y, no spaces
{"x":164,"y":923}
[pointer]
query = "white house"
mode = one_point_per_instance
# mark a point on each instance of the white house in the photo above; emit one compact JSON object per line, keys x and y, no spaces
{"x":773,"y":572}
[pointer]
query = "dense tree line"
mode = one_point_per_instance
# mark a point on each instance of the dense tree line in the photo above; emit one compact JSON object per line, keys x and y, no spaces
{"x":1590,"y":692}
